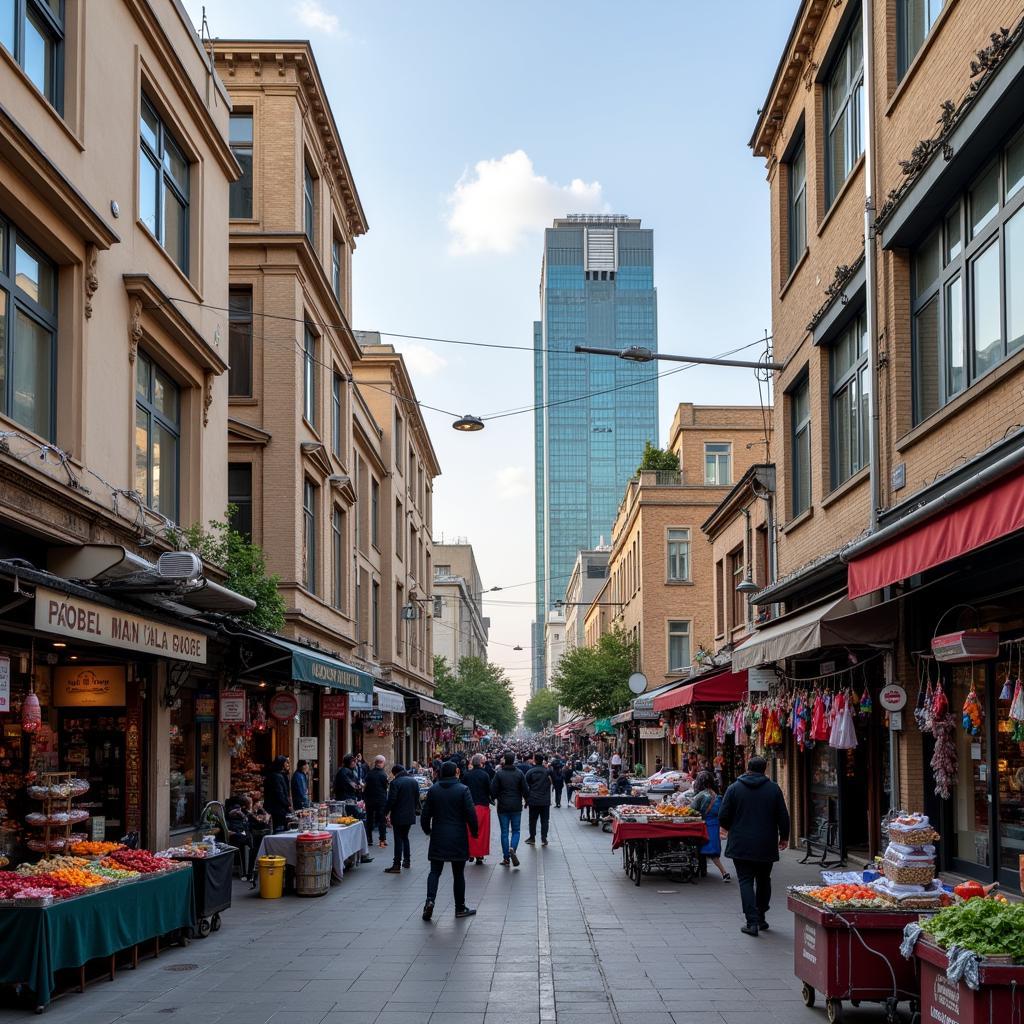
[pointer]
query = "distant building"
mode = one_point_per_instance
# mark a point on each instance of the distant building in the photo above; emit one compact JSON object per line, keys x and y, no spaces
{"x":594,"y":413}
{"x":588,"y":576}
{"x":460,"y":628}
{"x":554,"y":643}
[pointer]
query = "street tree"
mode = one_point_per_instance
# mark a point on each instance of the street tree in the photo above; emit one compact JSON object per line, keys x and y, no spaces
{"x":541,"y":710}
{"x":595,"y":680}
{"x":480,"y":691}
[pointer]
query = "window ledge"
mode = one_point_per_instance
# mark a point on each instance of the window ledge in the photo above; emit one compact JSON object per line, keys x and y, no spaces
{"x":841,"y":194}
{"x":911,"y":72}
{"x":796,"y":270}
{"x":850,"y":484}
{"x":679,"y":583}
{"x":798,"y":521}
{"x":51,"y":110}
{"x":242,"y":400}
{"x":994,"y":377}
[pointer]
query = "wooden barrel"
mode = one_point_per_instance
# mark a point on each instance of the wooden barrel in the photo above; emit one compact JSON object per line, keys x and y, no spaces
{"x":312,"y":863}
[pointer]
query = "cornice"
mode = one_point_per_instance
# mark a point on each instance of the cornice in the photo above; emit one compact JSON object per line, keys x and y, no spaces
{"x":240,"y":431}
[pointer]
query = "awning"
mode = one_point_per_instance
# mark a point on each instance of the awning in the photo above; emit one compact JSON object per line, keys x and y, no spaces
{"x":387,"y":700}
{"x":986,"y":516}
{"x":723,"y":688}
{"x":603,"y":725}
{"x":576,"y":725}
{"x":425,"y":704}
{"x":836,"y":622}
{"x":310,"y":666}
{"x":452,"y":716}
{"x":622,"y":718}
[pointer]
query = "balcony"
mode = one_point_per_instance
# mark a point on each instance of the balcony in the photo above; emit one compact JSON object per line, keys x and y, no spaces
{"x":661,"y":478}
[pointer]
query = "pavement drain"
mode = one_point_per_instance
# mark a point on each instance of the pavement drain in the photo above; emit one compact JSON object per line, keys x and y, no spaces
{"x":182,"y":967}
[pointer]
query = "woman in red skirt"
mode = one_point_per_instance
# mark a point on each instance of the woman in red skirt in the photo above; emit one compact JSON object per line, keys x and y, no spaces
{"x":479,"y":783}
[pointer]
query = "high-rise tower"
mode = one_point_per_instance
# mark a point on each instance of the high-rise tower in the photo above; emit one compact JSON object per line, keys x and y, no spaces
{"x":594,"y":413}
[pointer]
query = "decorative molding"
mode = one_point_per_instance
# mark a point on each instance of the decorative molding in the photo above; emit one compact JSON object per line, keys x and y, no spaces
{"x":809,"y":73}
{"x":92,"y":281}
{"x":134,"y":327}
{"x":835,"y":289}
{"x":207,"y":395}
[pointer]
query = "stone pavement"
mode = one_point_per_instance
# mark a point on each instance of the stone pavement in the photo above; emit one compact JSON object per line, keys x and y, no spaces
{"x":567,"y":938}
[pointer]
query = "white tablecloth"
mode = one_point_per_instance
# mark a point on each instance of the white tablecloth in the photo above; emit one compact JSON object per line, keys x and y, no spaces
{"x":346,"y":841}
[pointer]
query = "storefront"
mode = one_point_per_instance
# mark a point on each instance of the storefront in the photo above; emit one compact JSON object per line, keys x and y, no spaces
{"x":380,"y":726}
{"x":423,"y":715}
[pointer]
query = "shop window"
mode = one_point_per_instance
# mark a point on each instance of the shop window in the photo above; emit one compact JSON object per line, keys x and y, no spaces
{"x":163,"y":185}
{"x":678,"y":646}
{"x":375,"y":617}
{"x":399,"y":529}
{"x":375,"y":512}
{"x":240,"y":497}
{"x":310,"y":521}
{"x":240,"y":342}
{"x":192,"y":759}
{"x":850,"y":418}
{"x":240,"y":137}
{"x":32,"y":31}
{"x":157,"y":437}
{"x":28,"y":333}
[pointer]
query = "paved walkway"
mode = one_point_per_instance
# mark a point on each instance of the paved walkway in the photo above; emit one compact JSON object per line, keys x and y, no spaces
{"x":566,"y":938}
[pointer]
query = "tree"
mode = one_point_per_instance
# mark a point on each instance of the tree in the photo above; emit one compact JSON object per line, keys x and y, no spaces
{"x":445,"y":683}
{"x":595,"y":680}
{"x":541,"y":710}
{"x":222,"y":545}
{"x":657,"y":459}
{"x":480,"y":691}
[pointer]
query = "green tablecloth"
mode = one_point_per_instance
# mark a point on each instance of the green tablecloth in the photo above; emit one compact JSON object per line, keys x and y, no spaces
{"x":35,"y":942}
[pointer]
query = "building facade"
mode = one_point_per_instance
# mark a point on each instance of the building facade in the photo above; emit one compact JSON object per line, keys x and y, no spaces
{"x":594,"y":413}
{"x":588,"y":577}
{"x":554,"y":642}
{"x":460,"y":628}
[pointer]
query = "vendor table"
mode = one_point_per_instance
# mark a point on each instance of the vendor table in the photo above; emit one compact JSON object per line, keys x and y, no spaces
{"x":212,"y":884}
{"x":36,"y":942}
{"x":672,"y":847}
{"x":603,"y":804}
{"x":346,"y":841}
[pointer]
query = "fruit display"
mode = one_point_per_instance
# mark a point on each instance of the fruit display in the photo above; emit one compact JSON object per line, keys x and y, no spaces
{"x":673,"y":811}
{"x":344,"y":819}
{"x":92,"y":848}
{"x":139,"y":860}
{"x":43,"y":867}
{"x":912,"y":830}
{"x":117,"y":874}
{"x":44,"y":887}
{"x":80,"y":876}
{"x":987,"y":927}
{"x":847,"y":895}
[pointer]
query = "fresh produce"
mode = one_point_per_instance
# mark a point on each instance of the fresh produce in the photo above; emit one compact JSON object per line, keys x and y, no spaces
{"x":94,"y":848}
{"x":847,"y":895}
{"x":969,"y":890}
{"x":344,"y":820}
{"x":985,"y":927}
{"x":138,"y":860}
{"x":44,"y":867}
{"x":79,"y":876}
{"x":672,"y":811}
{"x":117,"y":874}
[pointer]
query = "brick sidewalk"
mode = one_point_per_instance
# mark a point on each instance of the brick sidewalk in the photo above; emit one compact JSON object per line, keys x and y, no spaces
{"x":567,"y":938}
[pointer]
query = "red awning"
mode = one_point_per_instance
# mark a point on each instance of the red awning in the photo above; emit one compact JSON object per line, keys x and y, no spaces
{"x":724,"y":688}
{"x":577,"y":725}
{"x":993,"y":512}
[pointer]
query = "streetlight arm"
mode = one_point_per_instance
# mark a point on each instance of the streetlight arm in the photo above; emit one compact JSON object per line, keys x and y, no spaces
{"x":672,"y":358}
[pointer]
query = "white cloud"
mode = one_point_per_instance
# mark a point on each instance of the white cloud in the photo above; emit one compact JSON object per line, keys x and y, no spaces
{"x":423,"y":361}
{"x":502,"y":200}
{"x":512,"y":482}
{"x":314,"y":15}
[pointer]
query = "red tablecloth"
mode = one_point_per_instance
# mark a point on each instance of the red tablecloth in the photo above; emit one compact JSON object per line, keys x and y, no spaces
{"x":625,"y":830}
{"x":583,"y":799}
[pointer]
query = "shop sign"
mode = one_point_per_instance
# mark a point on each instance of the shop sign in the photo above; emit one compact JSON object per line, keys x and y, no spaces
{"x":652,"y":732}
{"x":332,"y":705}
{"x":360,"y":701}
{"x":645,"y":715}
{"x":232,"y":706}
{"x":206,"y":707}
{"x":893,"y":697}
{"x":760,"y":679}
{"x":85,"y":620}
{"x":12,"y":730}
{"x":283,"y":706}
{"x":98,"y":828}
{"x":373,"y":715}
{"x":5,"y":684}
{"x":827,"y":668}
{"x":95,"y":686}
{"x":308,"y":746}
{"x":391,"y":702}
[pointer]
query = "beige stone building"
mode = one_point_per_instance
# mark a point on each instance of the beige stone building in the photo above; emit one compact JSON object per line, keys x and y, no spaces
{"x":459,"y":627}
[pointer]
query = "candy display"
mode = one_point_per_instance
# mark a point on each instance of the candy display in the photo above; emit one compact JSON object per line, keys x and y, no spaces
{"x":90,"y":848}
{"x":139,"y":860}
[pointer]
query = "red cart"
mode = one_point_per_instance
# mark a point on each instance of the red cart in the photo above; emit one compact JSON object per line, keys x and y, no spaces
{"x":1000,"y":996}
{"x":854,"y":955}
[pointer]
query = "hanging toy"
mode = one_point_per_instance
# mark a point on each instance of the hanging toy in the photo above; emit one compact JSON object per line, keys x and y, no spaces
{"x":972,"y":713}
{"x":1017,"y":713}
{"x":1006,"y":693}
{"x":867,"y":705}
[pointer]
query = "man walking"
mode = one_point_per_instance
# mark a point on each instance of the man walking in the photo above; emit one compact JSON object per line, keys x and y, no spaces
{"x":508,"y":787}
{"x":402,"y":806}
{"x":557,"y":781}
{"x":375,"y":796}
{"x":538,"y":799}
{"x":448,"y":813}
{"x":754,"y":813}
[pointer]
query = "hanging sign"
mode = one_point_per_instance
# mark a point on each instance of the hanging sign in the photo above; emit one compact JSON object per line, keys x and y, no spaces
{"x":333,"y":705}
{"x":307,"y":748}
{"x":283,"y":706}
{"x":206,"y":707}
{"x":893,"y":697}
{"x":95,"y":686}
{"x":373,"y":715}
{"x":827,"y":668}
{"x":652,"y":732}
{"x":760,"y":679}
{"x":5,"y":684}
{"x":232,"y":706}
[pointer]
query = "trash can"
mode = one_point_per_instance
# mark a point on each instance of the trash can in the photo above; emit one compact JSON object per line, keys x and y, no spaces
{"x":271,"y":877}
{"x":313,"y":852}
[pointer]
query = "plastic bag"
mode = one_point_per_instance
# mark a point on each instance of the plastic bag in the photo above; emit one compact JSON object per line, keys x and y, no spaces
{"x":819,"y":721}
{"x":844,"y":733}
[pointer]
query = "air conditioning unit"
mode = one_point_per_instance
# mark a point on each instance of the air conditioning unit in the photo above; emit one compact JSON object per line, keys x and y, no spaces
{"x":966,"y":645}
{"x":179,"y":565}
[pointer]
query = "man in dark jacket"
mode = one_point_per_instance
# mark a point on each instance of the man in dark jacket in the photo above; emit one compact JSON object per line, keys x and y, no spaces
{"x":538,"y":799}
{"x":754,"y":814}
{"x":403,"y":804}
{"x":557,"y":782}
{"x":375,"y":797}
{"x":276,"y":792}
{"x":508,"y":787}
{"x":346,"y":782}
{"x":523,"y":764}
{"x":448,"y":812}
{"x":300,"y":786}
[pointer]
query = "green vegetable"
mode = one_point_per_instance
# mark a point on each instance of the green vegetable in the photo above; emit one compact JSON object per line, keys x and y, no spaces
{"x":986,"y":927}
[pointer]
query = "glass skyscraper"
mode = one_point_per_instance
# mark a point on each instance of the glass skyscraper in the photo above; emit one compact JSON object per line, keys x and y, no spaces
{"x":594,"y":413}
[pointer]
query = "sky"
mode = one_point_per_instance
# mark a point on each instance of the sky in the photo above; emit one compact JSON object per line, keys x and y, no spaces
{"x":469,"y":126}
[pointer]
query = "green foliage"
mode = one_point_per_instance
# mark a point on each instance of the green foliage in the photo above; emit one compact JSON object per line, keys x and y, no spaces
{"x":480,"y":691}
{"x":595,"y":680}
{"x":657,"y":459}
{"x":222,"y":545}
{"x":541,"y":710}
{"x":985,"y":927}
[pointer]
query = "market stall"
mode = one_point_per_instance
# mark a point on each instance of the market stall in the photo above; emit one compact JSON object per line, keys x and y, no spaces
{"x":346,"y":841}
{"x":212,"y":881}
{"x":665,"y":838}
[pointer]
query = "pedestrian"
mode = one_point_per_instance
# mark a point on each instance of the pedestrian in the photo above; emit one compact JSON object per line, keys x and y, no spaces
{"x":708,"y":802}
{"x":523,"y":764}
{"x":479,"y":784}
{"x":508,"y":787}
{"x":557,"y":780}
{"x":346,"y":782}
{"x":300,"y":786}
{"x":362,"y":769}
{"x":616,"y":763}
{"x":753,"y":813}
{"x":276,"y":792}
{"x":567,"y":773}
{"x":489,"y":766}
{"x":449,"y":818}
{"x":538,"y":799}
{"x":375,"y":798}
{"x":403,"y":804}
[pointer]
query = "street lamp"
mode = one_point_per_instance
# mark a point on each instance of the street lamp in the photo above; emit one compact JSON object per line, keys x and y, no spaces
{"x":468,"y":424}
{"x":640,"y":354}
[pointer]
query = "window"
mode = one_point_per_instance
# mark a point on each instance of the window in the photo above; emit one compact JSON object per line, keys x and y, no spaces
{"x":192,"y":759}
{"x":800,"y":415}
{"x":336,"y":268}
{"x":678,"y":556}
{"x":32,"y":31}
{"x":914,"y":20}
{"x":240,"y":496}
{"x":844,"y":112}
{"x":337,"y":424}
{"x":678,"y":645}
{"x":720,"y":598}
{"x":399,"y":442}
{"x":308,"y":203}
{"x":442,"y":570}
{"x":967,"y":281}
{"x":739,"y":599}
{"x":797,"y":205}
{"x":375,"y":617}
{"x":399,"y":529}
{"x":718,"y":464}
{"x":163,"y":186}
{"x":375,"y":513}
{"x":309,"y":362}
{"x":438,"y":606}
{"x":309,"y":533}
{"x":240,"y":137}
{"x":240,"y":342}
{"x":850,"y":417}
{"x":399,"y":621}
{"x":28,"y":333}
{"x":157,"y":437}
{"x":337,"y":557}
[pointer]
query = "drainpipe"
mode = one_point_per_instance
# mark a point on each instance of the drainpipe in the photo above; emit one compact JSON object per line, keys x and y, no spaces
{"x":870,"y":262}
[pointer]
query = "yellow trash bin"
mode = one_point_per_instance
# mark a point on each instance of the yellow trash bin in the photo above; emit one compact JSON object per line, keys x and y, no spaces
{"x":271,"y":877}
